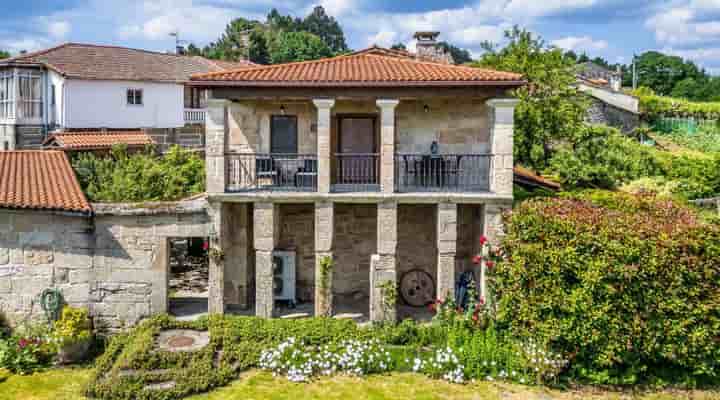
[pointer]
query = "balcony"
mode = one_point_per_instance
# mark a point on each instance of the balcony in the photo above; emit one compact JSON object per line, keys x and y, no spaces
{"x":271,"y":172}
{"x":442,"y":172}
{"x":194,"y":115}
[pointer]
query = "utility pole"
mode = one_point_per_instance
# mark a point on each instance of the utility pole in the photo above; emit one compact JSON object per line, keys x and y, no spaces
{"x":634,"y":72}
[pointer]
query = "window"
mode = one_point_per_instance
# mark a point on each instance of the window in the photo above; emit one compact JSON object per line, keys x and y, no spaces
{"x":7,"y":95}
{"x":283,"y":135}
{"x":135,"y":97}
{"x":29,"y":95}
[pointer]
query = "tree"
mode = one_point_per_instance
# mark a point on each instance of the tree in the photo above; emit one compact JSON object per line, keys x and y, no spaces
{"x":661,"y":72}
{"x":326,"y":28}
{"x":398,"y":46}
{"x":242,"y":39}
{"x":460,"y":56}
{"x":298,"y":46}
{"x":4,"y":54}
{"x":550,"y":109}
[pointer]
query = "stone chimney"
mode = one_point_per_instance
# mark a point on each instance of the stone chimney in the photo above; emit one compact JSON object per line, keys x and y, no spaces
{"x":428,"y":49}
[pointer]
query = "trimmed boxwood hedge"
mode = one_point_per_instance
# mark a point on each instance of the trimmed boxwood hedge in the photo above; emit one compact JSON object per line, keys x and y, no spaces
{"x":628,"y":286}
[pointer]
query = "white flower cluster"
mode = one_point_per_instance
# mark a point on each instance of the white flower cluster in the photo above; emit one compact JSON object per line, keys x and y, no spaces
{"x":541,"y":362}
{"x":442,"y":364}
{"x":301,"y":362}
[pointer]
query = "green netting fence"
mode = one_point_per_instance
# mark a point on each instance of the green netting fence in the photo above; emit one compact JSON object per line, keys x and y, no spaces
{"x":686,"y":125}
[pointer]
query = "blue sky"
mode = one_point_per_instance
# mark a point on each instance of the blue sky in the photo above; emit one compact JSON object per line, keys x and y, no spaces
{"x":614,"y":29}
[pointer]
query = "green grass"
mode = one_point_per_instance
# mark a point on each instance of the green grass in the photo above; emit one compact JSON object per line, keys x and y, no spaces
{"x":67,"y":383}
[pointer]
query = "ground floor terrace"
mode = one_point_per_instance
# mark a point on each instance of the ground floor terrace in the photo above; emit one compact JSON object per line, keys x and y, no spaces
{"x":370,"y":260}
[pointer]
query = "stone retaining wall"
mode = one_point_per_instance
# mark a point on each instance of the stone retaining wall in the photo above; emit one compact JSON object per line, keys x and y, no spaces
{"x":115,"y":263}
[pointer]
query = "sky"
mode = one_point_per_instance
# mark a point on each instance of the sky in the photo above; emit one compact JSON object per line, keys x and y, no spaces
{"x":613,"y":29}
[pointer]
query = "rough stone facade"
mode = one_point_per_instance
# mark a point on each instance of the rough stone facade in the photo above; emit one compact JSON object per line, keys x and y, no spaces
{"x":190,"y":136}
{"x":115,"y":263}
{"x":601,"y":113}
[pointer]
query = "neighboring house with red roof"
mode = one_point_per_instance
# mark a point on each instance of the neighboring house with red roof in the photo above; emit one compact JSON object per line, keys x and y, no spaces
{"x":609,"y":105}
{"x":389,"y":163}
{"x":82,"y":86}
{"x":98,"y":141}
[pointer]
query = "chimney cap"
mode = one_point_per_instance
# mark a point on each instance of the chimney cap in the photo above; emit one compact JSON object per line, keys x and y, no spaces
{"x":426,"y":35}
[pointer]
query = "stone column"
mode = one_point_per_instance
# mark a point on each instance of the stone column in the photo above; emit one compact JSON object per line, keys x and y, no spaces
{"x":216,"y":271}
{"x":447,"y":227}
{"x":236,"y":254}
{"x":501,"y":144}
{"x":266,"y":233}
{"x":493,"y":231}
{"x":387,"y":144}
{"x":324,"y":152}
{"x":383,"y":265}
{"x":324,"y":232}
{"x":215,"y":136}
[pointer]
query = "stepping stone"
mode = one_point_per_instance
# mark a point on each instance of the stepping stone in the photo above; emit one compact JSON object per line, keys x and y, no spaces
{"x":182,"y":340}
{"x":160,"y":386}
{"x":352,"y":316}
{"x":295,"y":316}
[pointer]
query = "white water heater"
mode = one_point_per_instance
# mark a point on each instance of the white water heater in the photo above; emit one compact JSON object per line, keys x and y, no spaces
{"x":284,"y":276}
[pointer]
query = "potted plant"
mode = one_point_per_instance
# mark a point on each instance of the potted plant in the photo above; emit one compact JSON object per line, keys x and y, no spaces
{"x":73,"y":335}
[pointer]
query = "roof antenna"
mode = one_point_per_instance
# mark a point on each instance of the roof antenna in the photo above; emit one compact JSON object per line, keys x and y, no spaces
{"x":179,"y":48}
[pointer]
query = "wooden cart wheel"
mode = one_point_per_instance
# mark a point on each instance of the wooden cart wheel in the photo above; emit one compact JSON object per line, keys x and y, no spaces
{"x":417,"y":288}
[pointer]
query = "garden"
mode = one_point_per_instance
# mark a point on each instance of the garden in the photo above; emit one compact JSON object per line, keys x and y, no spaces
{"x":589,"y":289}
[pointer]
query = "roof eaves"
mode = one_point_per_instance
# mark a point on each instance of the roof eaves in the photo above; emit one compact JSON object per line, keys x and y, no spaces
{"x":363,"y":84}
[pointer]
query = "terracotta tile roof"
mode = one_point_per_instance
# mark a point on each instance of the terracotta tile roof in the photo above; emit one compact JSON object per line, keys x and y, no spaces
{"x":96,"y":140}
{"x":40,"y":179}
{"x":87,"y":61}
{"x":365,"y":68}
{"x":524,"y":176}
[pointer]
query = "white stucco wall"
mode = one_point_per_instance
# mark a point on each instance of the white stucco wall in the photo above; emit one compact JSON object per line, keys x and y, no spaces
{"x":55,"y":114}
{"x":96,"y":104}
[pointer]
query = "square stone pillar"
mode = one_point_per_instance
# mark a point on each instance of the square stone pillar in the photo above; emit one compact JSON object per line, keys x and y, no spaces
{"x":387,"y":144}
{"x":383,"y":265}
{"x":502,"y":113}
{"x":237,"y":281}
{"x":493,"y":230}
{"x":216,"y":266}
{"x":324,"y":232}
{"x":215,"y":145}
{"x":324,"y":151}
{"x":266,"y":223}
{"x":447,"y":226}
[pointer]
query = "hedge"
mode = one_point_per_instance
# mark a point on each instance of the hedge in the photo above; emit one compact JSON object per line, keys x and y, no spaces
{"x":626,"y":285}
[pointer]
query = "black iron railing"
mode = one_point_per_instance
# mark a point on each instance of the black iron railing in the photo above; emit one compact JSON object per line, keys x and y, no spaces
{"x":356,"y":172}
{"x":284,"y":172}
{"x":442,"y":172}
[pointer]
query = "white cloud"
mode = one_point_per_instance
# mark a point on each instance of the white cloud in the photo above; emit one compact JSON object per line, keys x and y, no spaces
{"x":337,"y":8}
{"x":58,"y":29}
{"x":383,"y":39}
{"x":539,"y":8}
{"x":28,"y":44}
{"x":581,"y":43}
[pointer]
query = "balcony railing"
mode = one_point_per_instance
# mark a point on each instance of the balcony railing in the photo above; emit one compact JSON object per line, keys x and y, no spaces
{"x":357,"y":172}
{"x":194,"y":115}
{"x":442,"y":172}
{"x":275,"y":172}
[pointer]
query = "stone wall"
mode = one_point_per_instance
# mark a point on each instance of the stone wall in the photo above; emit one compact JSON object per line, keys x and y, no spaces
{"x":458,"y":125}
{"x":115,"y":263}
{"x":355,"y":243}
{"x":417,"y":243}
{"x":191,"y":136}
{"x":601,"y":113}
{"x":297,"y":233}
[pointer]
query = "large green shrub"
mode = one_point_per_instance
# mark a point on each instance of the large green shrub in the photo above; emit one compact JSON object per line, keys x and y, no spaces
{"x":602,"y":157}
{"x":653,"y":106}
{"x":144,"y":176}
{"x":626,"y":285}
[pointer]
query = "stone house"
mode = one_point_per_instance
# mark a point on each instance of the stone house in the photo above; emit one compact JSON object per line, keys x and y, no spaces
{"x":609,"y":105}
{"x":389,"y":165}
{"x":81,"y":87}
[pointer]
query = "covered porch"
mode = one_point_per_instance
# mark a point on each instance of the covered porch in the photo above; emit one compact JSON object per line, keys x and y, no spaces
{"x":276,"y":257}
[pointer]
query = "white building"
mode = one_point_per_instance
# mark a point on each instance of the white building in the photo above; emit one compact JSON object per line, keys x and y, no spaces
{"x":90,"y":87}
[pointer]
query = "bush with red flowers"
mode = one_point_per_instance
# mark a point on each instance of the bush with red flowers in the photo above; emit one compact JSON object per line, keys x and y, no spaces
{"x":24,"y":354}
{"x":626,"y":285}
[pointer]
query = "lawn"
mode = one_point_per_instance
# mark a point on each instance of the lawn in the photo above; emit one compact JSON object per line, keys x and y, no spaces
{"x":66,"y":384}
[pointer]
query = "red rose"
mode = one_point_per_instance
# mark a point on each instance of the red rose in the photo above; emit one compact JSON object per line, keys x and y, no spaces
{"x":483,"y":240}
{"x":475,"y":317}
{"x":477,"y":259}
{"x":482,"y":300}
{"x":22,"y":343}
{"x":206,"y":245}
{"x":489,"y":263}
